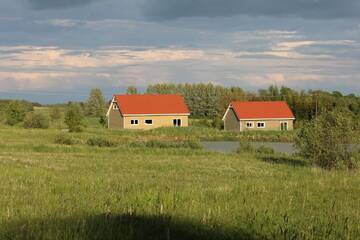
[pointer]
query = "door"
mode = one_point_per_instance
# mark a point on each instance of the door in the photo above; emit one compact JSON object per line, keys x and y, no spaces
{"x":284,"y":126}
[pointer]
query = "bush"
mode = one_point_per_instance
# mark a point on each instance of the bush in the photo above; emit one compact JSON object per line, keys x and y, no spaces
{"x":55,"y":113}
{"x":64,"y":139}
{"x":74,"y":118}
{"x":36,"y":120}
{"x":100,"y":142}
{"x":217,"y":123}
{"x":325,"y":141}
{"x":245,"y":147}
{"x":14,"y":113}
{"x":265,"y":150}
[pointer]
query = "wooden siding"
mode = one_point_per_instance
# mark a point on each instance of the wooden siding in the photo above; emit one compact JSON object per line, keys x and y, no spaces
{"x":115,"y":119}
{"x":231,"y":123}
{"x":270,"y":125}
{"x":158,"y":121}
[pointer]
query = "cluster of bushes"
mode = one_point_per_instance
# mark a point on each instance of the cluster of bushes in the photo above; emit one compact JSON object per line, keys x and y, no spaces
{"x":100,"y":142}
{"x":326,"y":141}
{"x":64,"y":139}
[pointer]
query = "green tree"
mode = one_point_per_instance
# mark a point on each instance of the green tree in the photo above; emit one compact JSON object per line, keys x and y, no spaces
{"x":74,"y":117}
{"x":14,"y":113}
{"x":95,"y":105}
{"x":325,"y":140}
{"x":36,"y":120}
{"x":131,"y":90}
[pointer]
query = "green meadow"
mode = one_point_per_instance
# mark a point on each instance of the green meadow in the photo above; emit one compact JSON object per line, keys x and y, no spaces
{"x":134,"y":190}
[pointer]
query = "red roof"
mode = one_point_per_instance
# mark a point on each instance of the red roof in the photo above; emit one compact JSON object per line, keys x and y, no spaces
{"x":262,"y":110}
{"x":151,"y":104}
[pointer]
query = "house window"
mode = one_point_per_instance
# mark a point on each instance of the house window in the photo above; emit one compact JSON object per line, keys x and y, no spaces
{"x":177,"y":122}
{"x":148,"y":122}
{"x":249,"y":124}
{"x":261,"y":124}
{"x":134,"y":122}
{"x":115,"y":106}
{"x":284,"y":126}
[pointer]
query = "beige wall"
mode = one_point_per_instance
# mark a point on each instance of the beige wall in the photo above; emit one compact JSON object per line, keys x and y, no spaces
{"x":270,"y":125}
{"x":115,"y":119}
{"x":231,"y":123}
{"x":158,"y":121}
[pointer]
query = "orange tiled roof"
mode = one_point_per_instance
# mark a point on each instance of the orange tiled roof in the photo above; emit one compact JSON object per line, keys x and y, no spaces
{"x":262,"y":110}
{"x":151,"y":104}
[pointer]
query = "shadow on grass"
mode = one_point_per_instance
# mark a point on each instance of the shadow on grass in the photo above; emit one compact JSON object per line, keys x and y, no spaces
{"x":286,"y":160}
{"x":106,"y":227}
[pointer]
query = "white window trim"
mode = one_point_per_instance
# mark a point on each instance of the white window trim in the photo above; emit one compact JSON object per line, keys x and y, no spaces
{"x":115,"y":106}
{"x":134,"y":122}
{"x":177,"y":119}
{"x":252,"y":124}
{"x":257,"y":125}
{"x":149,"y":124}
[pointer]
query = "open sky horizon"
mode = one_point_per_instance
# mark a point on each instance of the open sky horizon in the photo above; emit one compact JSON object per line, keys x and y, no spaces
{"x":57,"y":50}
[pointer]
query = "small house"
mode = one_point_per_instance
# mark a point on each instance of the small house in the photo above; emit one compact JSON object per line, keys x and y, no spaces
{"x":250,"y":116}
{"x":147,"y":111}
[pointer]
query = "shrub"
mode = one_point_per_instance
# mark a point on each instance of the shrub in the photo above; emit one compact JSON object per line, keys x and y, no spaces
{"x":64,"y":139}
{"x":55,"y":113}
{"x":74,"y":117}
{"x":325,"y":141}
{"x":245,"y":147}
{"x":218,"y":123}
{"x":14,"y":113}
{"x":36,"y":120}
{"x":100,"y":142}
{"x":265,"y":150}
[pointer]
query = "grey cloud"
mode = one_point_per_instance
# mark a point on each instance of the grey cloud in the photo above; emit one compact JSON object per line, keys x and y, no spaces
{"x":53,"y":4}
{"x":318,"y":9}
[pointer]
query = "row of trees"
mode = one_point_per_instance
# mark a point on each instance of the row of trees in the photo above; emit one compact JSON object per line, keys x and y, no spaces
{"x":211,"y":101}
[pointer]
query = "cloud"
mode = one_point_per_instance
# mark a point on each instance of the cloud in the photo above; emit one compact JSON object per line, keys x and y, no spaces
{"x":53,"y":4}
{"x":318,"y":9}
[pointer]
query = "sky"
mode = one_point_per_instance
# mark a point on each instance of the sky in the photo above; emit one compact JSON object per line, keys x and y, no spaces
{"x":57,"y":50}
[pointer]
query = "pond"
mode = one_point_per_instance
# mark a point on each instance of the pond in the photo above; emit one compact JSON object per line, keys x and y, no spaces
{"x":232,"y":146}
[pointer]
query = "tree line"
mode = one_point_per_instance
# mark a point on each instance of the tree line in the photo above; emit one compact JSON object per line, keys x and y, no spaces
{"x":211,"y":101}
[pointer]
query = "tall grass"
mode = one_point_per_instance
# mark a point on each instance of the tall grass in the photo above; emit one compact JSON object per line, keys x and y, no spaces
{"x":52,"y":191}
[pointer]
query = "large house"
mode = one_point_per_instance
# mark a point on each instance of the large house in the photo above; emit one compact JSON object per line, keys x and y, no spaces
{"x":147,"y":111}
{"x":249,"y":116}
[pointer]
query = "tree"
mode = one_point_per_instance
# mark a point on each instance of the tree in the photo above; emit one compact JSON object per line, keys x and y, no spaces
{"x":95,"y":105}
{"x":325,"y":141}
{"x":36,"y":120}
{"x":74,"y":117}
{"x":131,"y":90}
{"x":55,"y":113}
{"x":14,"y":113}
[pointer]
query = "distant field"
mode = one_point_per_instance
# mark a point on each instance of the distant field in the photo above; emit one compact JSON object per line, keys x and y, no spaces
{"x":134,"y":191}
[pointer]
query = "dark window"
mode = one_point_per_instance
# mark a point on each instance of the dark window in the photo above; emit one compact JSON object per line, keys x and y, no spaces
{"x":134,"y":122}
{"x":148,"y":122}
{"x":177,"y":122}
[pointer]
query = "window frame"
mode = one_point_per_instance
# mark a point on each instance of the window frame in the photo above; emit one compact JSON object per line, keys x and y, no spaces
{"x":177,"y":122}
{"x":115,"y":106}
{"x":257,"y":125}
{"x":149,"y":124}
{"x":134,"y":122}
{"x":252,"y":124}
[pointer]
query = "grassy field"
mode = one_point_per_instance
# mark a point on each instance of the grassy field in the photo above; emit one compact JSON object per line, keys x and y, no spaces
{"x":133,"y":191}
